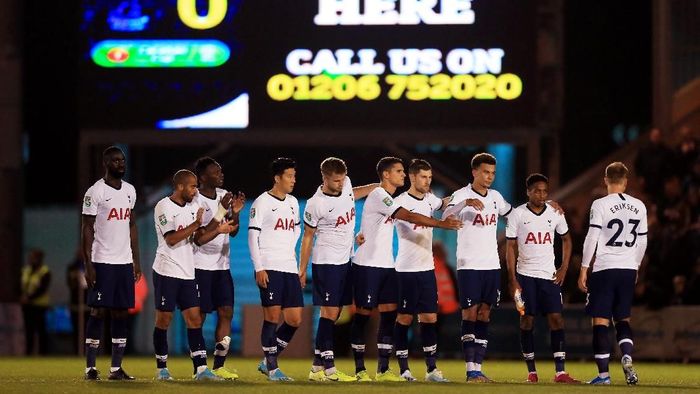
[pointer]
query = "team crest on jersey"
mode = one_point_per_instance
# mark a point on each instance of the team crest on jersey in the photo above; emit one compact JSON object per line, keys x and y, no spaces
{"x":87,"y":201}
{"x":388,"y":201}
{"x":307,"y":215}
{"x":252,"y":213}
{"x":163,"y":220}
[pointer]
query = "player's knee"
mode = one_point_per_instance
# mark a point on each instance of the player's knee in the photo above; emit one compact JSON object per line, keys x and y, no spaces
{"x":527,"y":322}
{"x":556,"y":321}
{"x":163,"y":320}
{"x":97,"y":313}
{"x":404,"y":319}
{"x":225,"y":313}
{"x":119,"y":313}
{"x":427,"y":318}
{"x":363,"y":311}
{"x":469,"y":313}
{"x":483,"y":314}
{"x":294,"y":321}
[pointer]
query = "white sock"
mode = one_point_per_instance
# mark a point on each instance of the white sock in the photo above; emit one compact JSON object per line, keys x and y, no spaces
{"x":470,"y":366}
{"x":316,"y":368}
{"x":330,"y":371}
{"x":114,"y":369}
{"x":201,"y":368}
{"x":88,"y":369}
{"x":604,"y":375}
{"x":272,"y":372}
{"x":477,"y":367}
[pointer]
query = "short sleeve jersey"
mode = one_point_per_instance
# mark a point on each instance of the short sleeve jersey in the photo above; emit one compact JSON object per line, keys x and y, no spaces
{"x":276,"y":220}
{"x":175,"y":261}
{"x":112,"y":211}
{"x":416,"y":241}
{"x":215,"y":254}
{"x":377,"y":226}
{"x":333,"y":217}
{"x":621,"y":219}
{"x":477,"y":245}
{"x":534,"y":233}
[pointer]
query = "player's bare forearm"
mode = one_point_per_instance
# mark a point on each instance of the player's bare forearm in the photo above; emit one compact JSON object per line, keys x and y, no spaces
{"x":235,"y":220}
{"x":361,"y":192}
{"x":566,"y":247}
{"x":511,"y":253}
{"x":134,"y":238}
{"x":174,"y":237}
{"x":306,"y":244}
{"x":87,"y":238}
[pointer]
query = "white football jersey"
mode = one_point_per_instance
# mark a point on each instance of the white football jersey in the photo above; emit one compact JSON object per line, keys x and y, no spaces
{"x":477,"y":246}
{"x":276,"y":220}
{"x":621,"y":218}
{"x":378,"y":228}
{"x":535,"y":235}
{"x":214,"y":255}
{"x":112,"y":211}
{"x":175,"y":261}
{"x":333,"y":217}
{"x":416,"y":241}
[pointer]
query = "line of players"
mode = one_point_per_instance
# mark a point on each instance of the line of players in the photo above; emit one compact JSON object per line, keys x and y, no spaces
{"x":191,"y":268}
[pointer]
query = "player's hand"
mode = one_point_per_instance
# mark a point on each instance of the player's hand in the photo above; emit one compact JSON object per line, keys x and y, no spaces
{"x":451,"y":223}
{"x":238,"y":202}
{"x":514,"y":285}
{"x":226,"y":200}
{"x":90,"y":276}
{"x":583,"y":280}
{"x":557,"y":208}
{"x":137,"y":273}
{"x":302,"y":279}
{"x":474,"y":203}
{"x":261,"y":279}
{"x":359,"y":239}
{"x":559,"y":277}
{"x":227,"y":227}
{"x":200,"y":213}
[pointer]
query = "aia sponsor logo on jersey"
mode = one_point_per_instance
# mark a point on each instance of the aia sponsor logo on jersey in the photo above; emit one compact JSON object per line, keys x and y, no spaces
{"x":485,"y":220}
{"x":119,"y":214}
{"x":345,"y":219}
{"x":285,"y":224}
{"x":538,"y":238}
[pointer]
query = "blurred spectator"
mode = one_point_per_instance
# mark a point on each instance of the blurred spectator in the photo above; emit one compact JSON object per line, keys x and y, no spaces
{"x":75,"y":279}
{"x":36,"y":279}
{"x":692,"y":286}
{"x":687,"y":151}
{"x":654,"y":162}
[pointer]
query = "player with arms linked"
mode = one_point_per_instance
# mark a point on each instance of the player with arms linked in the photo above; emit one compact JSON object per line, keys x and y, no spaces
{"x":374,"y":277}
{"x":533,"y":277}
{"x":329,"y":227}
{"x":617,"y":236}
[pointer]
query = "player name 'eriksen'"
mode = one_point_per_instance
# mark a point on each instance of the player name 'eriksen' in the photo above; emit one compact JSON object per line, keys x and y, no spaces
{"x":625,"y":206}
{"x":394,"y":12}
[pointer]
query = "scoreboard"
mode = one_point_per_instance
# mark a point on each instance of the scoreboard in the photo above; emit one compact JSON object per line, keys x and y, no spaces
{"x":297,"y":64}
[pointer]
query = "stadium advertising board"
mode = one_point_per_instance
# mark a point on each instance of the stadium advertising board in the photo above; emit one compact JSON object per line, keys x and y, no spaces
{"x":256,"y":64}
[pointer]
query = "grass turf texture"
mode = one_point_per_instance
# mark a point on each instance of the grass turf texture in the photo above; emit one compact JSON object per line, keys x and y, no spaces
{"x":65,"y":374}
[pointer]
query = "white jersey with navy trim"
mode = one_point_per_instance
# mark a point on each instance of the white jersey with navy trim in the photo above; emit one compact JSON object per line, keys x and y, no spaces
{"x":214,"y":255}
{"x":333,"y":217}
{"x":622,"y":219}
{"x":477,"y":245}
{"x":277,"y":220}
{"x":416,"y":241}
{"x":112,"y":211}
{"x":175,"y":261}
{"x":534,"y":233}
{"x":377,"y":226}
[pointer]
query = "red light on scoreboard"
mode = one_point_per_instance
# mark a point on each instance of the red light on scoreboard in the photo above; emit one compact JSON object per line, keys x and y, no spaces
{"x":118,"y":55}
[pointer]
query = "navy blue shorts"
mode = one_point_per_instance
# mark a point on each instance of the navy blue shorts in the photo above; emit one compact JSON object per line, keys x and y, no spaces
{"x":114,"y":286}
{"x":332,"y":284}
{"x":373,"y":286}
{"x":283,"y":288}
{"x":215,"y":289}
{"x":172,"y":292}
{"x":479,"y":287}
{"x":610,"y":293}
{"x":541,"y":296}
{"x":417,"y":292}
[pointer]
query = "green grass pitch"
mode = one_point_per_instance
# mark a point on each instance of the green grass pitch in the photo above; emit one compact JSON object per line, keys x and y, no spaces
{"x":64,"y":374}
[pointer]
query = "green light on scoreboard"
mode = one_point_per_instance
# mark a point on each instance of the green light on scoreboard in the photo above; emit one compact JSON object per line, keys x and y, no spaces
{"x":160,"y":53}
